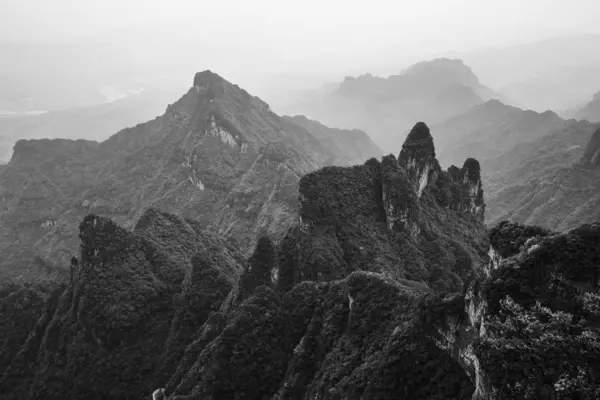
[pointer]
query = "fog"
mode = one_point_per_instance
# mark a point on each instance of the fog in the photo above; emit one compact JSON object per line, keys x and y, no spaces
{"x":245,"y":38}
{"x":63,"y":54}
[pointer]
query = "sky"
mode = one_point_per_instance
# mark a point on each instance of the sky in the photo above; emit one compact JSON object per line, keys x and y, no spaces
{"x":269,"y":36}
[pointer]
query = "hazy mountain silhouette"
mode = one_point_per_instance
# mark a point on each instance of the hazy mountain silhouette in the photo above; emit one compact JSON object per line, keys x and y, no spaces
{"x":491,"y":128}
{"x":384,"y":107}
{"x":552,"y":182}
{"x":555,"y":73}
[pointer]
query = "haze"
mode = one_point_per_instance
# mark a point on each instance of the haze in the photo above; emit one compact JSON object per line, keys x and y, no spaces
{"x":270,"y":36}
{"x":62,"y":54}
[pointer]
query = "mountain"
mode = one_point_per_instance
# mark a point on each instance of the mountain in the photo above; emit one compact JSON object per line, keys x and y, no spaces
{"x":335,"y":308}
{"x":432,"y":90}
{"x":217,"y":154}
{"x":95,"y":122}
{"x":551,"y":182}
{"x":349,"y":145}
{"x":387,"y":285}
{"x":491,"y":128}
{"x":538,"y":168}
{"x":591,"y":111}
{"x":554,"y":73}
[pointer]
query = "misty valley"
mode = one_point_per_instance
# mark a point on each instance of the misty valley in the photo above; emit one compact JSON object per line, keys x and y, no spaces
{"x":213,"y":224}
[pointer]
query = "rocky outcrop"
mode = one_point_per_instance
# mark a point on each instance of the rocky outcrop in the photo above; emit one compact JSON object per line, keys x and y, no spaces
{"x":591,"y":154}
{"x":537,"y":270}
{"x":470,"y":181}
{"x":418,"y":158}
{"x":400,"y":200}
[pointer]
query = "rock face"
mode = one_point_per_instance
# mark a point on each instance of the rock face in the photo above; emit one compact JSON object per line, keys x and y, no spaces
{"x":218,"y":154}
{"x":591,"y":155}
{"x":535,"y":288}
{"x":470,"y":180}
{"x":418,"y":157}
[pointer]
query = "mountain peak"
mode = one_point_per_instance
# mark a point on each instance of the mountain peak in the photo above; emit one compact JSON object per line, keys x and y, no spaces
{"x":418,"y":142}
{"x":207,"y":77}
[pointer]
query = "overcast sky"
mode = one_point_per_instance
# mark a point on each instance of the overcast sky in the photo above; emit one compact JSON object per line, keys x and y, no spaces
{"x":272,"y":35}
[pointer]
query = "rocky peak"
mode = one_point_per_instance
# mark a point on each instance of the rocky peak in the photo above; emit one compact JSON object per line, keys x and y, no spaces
{"x":399,"y":198}
{"x":470,"y":179}
{"x":207,"y":78}
{"x":591,"y":155}
{"x":418,"y":157}
{"x":443,"y":71}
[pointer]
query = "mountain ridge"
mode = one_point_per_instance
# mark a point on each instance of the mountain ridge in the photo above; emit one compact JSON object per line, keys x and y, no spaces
{"x":432,"y":91}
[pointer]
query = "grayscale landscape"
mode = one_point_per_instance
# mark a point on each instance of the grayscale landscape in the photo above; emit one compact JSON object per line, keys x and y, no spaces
{"x":317,"y":200}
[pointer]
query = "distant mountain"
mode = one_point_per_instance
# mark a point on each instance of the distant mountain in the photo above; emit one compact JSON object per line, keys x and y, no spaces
{"x":489,"y":129}
{"x":553,"y":74}
{"x":552,"y":182}
{"x":95,"y":122}
{"x":347,"y":145}
{"x":591,"y":111}
{"x":432,"y":91}
{"x":217,"y":154}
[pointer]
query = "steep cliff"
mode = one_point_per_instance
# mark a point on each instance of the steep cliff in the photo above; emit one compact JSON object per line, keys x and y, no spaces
{"x":535,"y":314}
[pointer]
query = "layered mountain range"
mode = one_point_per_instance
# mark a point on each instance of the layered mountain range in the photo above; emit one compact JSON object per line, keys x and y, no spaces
{"x":537,"y":168}
{"x":386,"y":107}
{"x":386,"y":285}
{"x":217,"y":154}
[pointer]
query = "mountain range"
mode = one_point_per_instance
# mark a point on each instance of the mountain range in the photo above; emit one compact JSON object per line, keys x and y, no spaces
{"x":172,"y":303}
{"x":221,"y":251}
{"x":537,"y":167}
{"x":385,"y":107}
{"x":217,"y":154}
{"x":386,"y":285}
